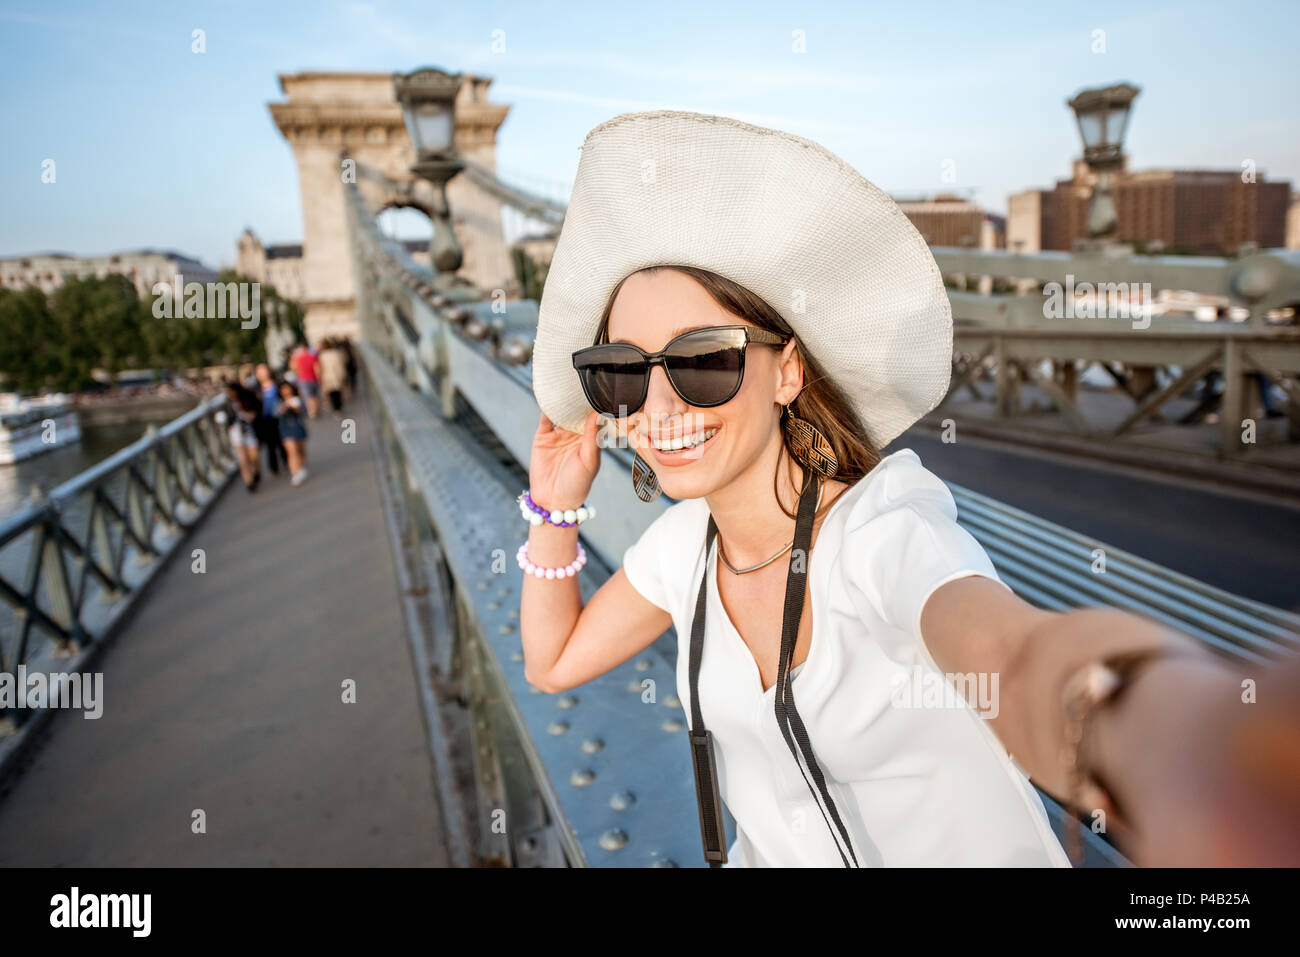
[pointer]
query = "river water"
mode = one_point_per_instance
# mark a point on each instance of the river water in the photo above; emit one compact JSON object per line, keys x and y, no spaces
{"x":48,"y":471}
{"x":53,"y":468}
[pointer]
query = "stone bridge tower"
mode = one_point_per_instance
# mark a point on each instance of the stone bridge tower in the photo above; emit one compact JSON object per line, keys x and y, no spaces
{"x":327,"y":114}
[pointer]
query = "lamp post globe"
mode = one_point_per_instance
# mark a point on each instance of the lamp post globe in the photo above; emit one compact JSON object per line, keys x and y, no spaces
{"x":1102,"y":115}
{"x":428,"y":100}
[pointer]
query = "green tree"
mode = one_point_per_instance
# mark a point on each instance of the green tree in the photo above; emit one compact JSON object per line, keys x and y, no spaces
{"x":213,"y":339}
{"x":98,"y":327}
{"x":89,"y":323}
{"x":28,"y":351}
{"x":530,"y":273}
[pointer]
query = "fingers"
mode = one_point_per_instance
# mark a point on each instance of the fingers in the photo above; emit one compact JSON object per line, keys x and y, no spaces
{"x":592,"y":444}
{"x":590,"y":426}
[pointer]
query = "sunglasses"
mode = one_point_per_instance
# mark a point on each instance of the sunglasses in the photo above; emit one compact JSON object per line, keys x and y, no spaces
{"x":704,"y":366}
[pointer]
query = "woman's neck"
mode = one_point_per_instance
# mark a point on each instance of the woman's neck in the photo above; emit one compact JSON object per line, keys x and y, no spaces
{"x":750,"y":522}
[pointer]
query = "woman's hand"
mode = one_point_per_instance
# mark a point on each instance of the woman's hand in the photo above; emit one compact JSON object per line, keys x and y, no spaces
{"x":563,"y":464}
{"x":1212,"y":777}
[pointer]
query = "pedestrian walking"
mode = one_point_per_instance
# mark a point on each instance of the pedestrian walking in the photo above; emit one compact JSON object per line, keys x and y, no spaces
{"x":268,"y":424}
{"x":350,"y":357}
{"x":243,"y":410}
{"x":293,"y":430}
{"x":333,"y":374}
{"x":307,"y":368}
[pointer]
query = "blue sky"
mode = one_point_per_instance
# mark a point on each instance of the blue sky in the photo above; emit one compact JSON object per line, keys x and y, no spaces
{"x":159,"y":146}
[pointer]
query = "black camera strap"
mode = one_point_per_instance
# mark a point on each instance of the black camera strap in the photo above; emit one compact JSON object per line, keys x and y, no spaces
{"x":712,"y":830}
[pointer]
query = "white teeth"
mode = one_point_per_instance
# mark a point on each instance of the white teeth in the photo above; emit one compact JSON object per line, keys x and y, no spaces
{"x":676,"y":445}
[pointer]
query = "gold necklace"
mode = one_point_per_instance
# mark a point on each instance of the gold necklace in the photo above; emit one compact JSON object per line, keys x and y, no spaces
{"x":753,"y":568}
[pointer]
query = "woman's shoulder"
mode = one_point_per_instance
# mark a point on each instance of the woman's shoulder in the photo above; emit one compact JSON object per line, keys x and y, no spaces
{"x":902,"y":541}
{"x":898,"y":481}
{"x":657,"y":561}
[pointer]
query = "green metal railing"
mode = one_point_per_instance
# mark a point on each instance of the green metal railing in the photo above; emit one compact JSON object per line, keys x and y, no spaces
{"x":72,"y":562}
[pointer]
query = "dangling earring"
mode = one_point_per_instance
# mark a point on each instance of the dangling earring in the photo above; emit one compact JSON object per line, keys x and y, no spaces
{"x":808,"y":444}
{"x":644,"y":480}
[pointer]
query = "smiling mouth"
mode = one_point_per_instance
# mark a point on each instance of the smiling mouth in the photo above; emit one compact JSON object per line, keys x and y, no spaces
{"x":685,"y":449}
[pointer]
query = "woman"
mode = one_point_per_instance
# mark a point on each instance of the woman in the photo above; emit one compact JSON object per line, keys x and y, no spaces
{"x":268,"y":426}
{"x":333,"y":373}
{"x":759,"y":321}
{"x":293,"y":431}
{"x":244,"y":409}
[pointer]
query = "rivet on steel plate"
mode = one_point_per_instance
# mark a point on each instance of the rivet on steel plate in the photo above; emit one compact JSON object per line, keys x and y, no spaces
{"x":645,"y":664}
{"x":557,"y":727}
{"x":622,"y":800}
{"x":566,"y":701}
{"x":506,"y":629}
{"x":614,"y":840}
{"x":673,"y":725}
{"x":582,"y":777}
{"x":592,"y":745}
{"x":672,"y":701}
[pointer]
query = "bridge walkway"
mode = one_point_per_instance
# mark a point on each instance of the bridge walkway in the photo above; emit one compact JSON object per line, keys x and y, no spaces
{"x":225,"y":694}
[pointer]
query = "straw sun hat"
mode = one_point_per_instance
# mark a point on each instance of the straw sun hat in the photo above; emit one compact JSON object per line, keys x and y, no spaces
{"x":773,"y":212}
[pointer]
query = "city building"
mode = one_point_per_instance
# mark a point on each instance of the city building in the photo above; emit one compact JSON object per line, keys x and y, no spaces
{"x":948,"y":220}
{"x":144,"y":267}
{"x":1191,"y":211}
{"x":279,"y":265}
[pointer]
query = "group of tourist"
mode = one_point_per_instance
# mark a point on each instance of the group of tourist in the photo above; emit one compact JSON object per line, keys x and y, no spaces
{"x":329,"y":368}
{"x":269,"y":413}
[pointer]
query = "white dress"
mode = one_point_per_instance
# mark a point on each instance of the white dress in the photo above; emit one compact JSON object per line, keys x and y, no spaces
{"x":918,"y":776}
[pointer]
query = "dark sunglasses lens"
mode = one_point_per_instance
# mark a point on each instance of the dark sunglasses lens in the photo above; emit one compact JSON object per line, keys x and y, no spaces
{"x":706,"y":368}
{"x":614,"y":378}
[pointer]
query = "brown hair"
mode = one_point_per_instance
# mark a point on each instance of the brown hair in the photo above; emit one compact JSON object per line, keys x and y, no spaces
{"x":820,"y":401}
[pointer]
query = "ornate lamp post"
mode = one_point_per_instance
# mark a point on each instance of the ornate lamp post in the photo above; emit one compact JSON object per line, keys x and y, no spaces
{"x":1102,"y":115}
{"x":428,"y":99}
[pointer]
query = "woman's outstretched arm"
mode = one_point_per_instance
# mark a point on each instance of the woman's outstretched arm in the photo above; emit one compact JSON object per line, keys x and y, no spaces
{"x":1206,"y":773}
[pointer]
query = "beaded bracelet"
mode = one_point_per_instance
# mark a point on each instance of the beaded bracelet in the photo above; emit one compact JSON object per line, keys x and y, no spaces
{"x":538,"y":571}
{"x":534,"y":514}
